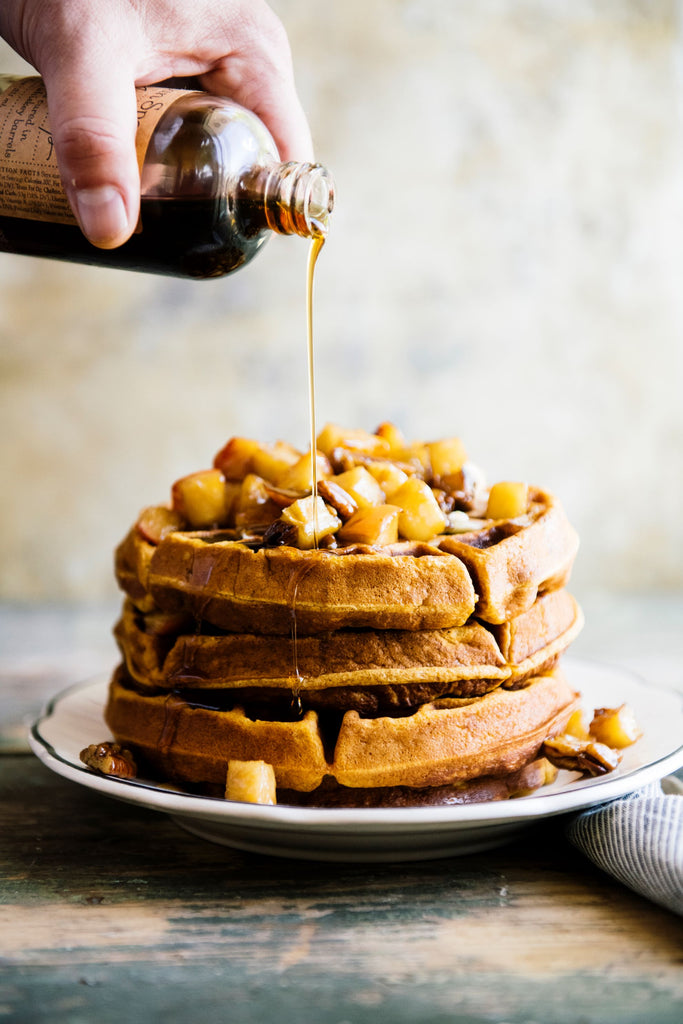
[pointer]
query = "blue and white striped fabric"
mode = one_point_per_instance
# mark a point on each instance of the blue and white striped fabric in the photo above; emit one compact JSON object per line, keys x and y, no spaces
{"x":638,"y":839}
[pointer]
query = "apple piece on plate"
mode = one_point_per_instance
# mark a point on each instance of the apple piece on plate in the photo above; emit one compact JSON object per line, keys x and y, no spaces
{"x":617,"y":727}
{"x":250,"y":782}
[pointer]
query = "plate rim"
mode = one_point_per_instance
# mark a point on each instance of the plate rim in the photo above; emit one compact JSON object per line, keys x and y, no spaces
{"x":284,"y":817}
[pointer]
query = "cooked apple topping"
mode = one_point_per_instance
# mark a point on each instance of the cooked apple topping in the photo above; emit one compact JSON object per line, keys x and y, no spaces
{"x":576,"y":726}
{"x":251,"y":782}
{"x":377,"y":526}
{"x":507,"y":500}
{"x":373,"y":489}
{"x":202,"y":498}
{"x":617,"y":727}
{"x":446,"y":457}
{"x":362,"y":487}
{"x":420,"y":517}
{"x":312,"y":520}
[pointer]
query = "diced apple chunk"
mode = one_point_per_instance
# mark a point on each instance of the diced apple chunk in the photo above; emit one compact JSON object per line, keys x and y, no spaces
{"x":299,"y":477}
{"x":332,"y":436}
{"x":251,"y":782}
{"x":377,"y":525}
{"x":236,"y":458}
{"x":157,"y":522}
{"x":362,"y":487}
{"x":313,"y":520}
{"x":417,"y":454}
{"x":393,"y":436}
{"x":201,"y":498}
{"x":576,"y":726}
{"x":255,"y":508}
{"x":507,"y":499}
{"x":388,"y":475}
{"x":616,"y":727}
{"x":446,"y":456}
{"x":420,"y":517}
{"x":272,"y":461}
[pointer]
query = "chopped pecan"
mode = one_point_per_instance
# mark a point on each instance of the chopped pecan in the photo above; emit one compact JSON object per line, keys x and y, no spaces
{"x":341,"y":501}
{"x":577,"y":755}
{"x":445,"y":501}
{"x":279,"y":533}
{"x":110,"y":759}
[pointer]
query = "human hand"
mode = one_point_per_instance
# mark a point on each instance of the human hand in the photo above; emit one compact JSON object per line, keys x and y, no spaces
{"x":91,"y":55}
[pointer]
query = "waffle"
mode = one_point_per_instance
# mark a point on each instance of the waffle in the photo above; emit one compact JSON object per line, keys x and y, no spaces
{"x":368,"y":670}
{"x":232,"y":586}
{"x":510,"y":562}
{"x":441,"y":743}
{"x":392,"y":640}
{"x":495,"y":572}
{"x":484,"y":789}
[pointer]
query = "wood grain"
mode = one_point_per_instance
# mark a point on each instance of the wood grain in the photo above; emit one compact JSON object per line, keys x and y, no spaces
{"x":111,"y":913}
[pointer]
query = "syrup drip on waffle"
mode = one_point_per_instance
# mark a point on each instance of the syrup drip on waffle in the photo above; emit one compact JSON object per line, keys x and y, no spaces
{"x":295,"y":579}
{"x":173,"y":705}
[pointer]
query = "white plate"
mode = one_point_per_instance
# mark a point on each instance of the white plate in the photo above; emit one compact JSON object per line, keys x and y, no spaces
{"x":73,"y":720}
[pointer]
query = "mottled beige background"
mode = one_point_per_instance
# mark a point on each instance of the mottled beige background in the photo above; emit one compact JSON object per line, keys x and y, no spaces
{"x":506,"y":263}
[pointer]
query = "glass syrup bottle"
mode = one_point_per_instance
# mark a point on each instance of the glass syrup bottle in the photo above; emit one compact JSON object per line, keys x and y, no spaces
{"x":213,"y":188}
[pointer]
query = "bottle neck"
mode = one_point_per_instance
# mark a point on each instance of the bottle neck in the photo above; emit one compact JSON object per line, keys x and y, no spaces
{"x":292,"y":198}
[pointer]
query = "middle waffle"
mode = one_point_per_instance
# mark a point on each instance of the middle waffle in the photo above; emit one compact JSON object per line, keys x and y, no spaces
{"x":373,"y":671}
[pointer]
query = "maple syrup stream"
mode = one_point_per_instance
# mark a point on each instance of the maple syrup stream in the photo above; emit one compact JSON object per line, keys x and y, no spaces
{"x":317,"y":243}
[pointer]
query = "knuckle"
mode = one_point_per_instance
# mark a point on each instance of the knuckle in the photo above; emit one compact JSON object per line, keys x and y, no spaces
{"x":85,"y":144}
{"x":88,"y":137}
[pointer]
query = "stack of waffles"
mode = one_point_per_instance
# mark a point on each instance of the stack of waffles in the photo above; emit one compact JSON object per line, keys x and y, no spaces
{"x":383,"y":628}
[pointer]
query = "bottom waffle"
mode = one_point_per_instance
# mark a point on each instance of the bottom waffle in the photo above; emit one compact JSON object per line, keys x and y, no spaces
{"x":443,"y":742}
{"x":485,"y":789}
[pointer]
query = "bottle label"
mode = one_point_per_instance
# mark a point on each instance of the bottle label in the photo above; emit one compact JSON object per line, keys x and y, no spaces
{"x":30,"y":185}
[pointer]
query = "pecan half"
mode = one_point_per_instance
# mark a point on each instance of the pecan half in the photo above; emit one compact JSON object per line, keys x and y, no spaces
{"x":110,"y":759}
{"x":577,"y":755}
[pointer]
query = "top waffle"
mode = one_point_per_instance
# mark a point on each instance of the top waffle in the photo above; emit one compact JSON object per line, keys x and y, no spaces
{"x":409,"y":537}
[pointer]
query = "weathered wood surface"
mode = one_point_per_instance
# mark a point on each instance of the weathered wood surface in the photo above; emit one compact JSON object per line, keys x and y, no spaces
{"x":111,"y":913}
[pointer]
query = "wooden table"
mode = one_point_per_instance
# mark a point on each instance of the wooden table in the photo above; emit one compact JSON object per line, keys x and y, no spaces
{"x":112,"y":914}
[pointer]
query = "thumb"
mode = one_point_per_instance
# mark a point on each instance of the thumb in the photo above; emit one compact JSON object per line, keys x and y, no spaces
{"x":93,"y":119}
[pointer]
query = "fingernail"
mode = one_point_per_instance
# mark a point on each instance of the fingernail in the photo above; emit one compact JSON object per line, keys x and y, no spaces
{"x":102,"y":214}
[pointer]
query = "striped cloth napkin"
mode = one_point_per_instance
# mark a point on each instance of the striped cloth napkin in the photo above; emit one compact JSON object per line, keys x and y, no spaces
{"x":638,"y":839}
